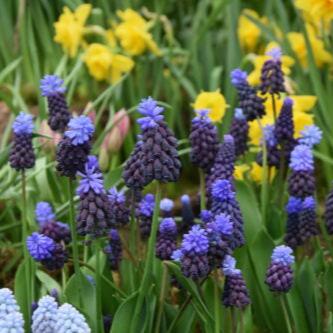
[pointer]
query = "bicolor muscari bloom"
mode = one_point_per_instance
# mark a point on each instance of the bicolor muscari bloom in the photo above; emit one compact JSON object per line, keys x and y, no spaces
{"x":293,"y":208}
{"x":224,"y":164}
{"x":159,"y":158}
{"x":284,"y":128}
{"x":204,"y":141}
{"x":166,"y":239}
{"x":249,"y":100}
{"x":44,"y":213}
{"x":21,"y":155}
{"x":307,"y":220}
{"x":279,"y":275}
{"x":74,"y":148}
{"x":193,"y":253}
{"x":70,"y":320}
{"x":8,"y":303}
{"x":44,"y":317}
{"x":219,"y":233}
{"x":13,"y":323}
{"x":52,"y":88}
{"x":301,"y":182}
{"x":310,"y":135}
{"x":206,"y":216}
{"x":329,"y":213}
{"x":113,"y":249}
{"x":224,"y":201}
{"x":272,"y":78}
{"x":235,"y":293}
{"x":240,"y":132}
{"x":120,"y":211}
{"x":94,"y":211}
{"x":186,"y":213}
{"x":166,"y":207}
{"x":144,"y":213}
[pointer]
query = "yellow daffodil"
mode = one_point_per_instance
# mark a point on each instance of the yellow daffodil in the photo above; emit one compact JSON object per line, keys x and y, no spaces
{"x":248,"y":32}
{"x":213,"y":101}
{"x":255,"y":132}
{"x":104,"y":65}
{"x":257,"y":172}
{"x":240,"y":171}
{"x":69,"y":28}
{"x":301,"y":119}
{"x":110,"y":38}
{"x":298,"y":44}
{"x":133,"y":34}
{"x":317,"y":10}
{"x":259,"y":60}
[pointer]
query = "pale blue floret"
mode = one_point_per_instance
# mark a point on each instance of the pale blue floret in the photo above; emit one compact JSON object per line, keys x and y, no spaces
{"x":44,"y":213}
{"x":222,"y":225}
{"x":148,"y":107}
{"x":294,"y":205}
{"x":23,"y":124}
{"x":195,"y":241}
{"x":239,"y":114}
{"x":222,"y":190}
{"x":51,"y":85}
{"x":8,"y":303}
{"x":92,"y":179}
{"x":275,"y":53}
{"x":238,"y":77}
{"x":80,"y":130}
{"x":12,"y":323}
{"x":301,"y":158}
{"x":166,"y":205}
{"x":283,"y":255}
{"x":229,"y":266}
{"x":311,"y":135}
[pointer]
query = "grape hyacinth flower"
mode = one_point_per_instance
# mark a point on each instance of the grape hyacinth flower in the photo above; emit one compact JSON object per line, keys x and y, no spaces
{"x":94,"y":211}
{"x":235,"y":293}
{"x":160,"y":158}
{"x":74,"y":148}
{"x":44,"y":317}
{"x":52,"y":88}
{"x":310,"y":136}
{"x":329,"y":213}
{"x":249,"y":101}
{"x":272,"y":78}
{"x":44,"y":213}
{"x":307,"y":226}
{"x":204,"y":141}
{"x":120,"y":211}
{"x":8,"y":303}
{"x":219,"y":232}
{"x":224,"y":201}
{"x":114,"y":249}
{"x":186,"y":213}
{"x":206,"y":216}
{"x":301,"y":182}
{"x":224,"y":164}
{"x":144,"y":213}
{"x":166,"y":207}
{"x":239,"y":130}
{"x":13,"y":323}
{"x":69,"y":320}
{"x":293,"y":207}
{"x":21,"y":155}
{"x":167,"y":239}
{"x":279,"y":275}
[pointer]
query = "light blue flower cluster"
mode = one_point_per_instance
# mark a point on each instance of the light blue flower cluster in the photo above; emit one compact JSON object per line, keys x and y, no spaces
{"x":148,"y":107}
{"x":269,"y":135}
{"x":116,"y":196}
{"x":221,"y":226}
{"x":275,"y":53}
{"x":294,"y":205}
{"x":80,"y":130}
{"x":195,"y":241}
{"x":92,"y":179}
{"x":238,"y":77}
{"x":166,"y":205}
{"x":311,"y":135}
{"x":302,"y":159}
{"x":146,"y":205}
{"x":283,"y":255}
{"x":45,"y":316}
{"x":44,"y":213}
{"x":23,"y":124}
{"x":51,"y":85}
{"x":40,"y":247}
{"x":229,"y":266}
{"x":222,"y":190}
{"x":239,"y":114}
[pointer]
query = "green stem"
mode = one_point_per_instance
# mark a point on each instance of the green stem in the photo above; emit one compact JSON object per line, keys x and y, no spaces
{"x":132,"y":241}
{"x":285,"y":313}
{"x":99,"y":314}
{"x":241,"y":321}
{"x":202,"y":190}
{"x":274,"y":108}
{"x":162,"y":296}
{"x":27,"y":267}
{"x":217,"y":303}
{"x":233,"y":320}
{"x":149,"y":261}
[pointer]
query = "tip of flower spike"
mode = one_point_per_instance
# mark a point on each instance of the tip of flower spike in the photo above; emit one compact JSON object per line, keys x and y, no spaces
{"x":311,"y":135}
{"x":166,"y":205}
{"x":92,"y":162}
{"x":23,"y":124}
{"x":228,"y":138}
{"x":68,"y":315}
{"x":275,"y":53}
{"x":195,"y":241}
{"x":301,"y":158}
{"x":309,"y":203}
{"x":238,"y":77}
{"x":239,"y":114}
{"x":92,"y":179}
{"x":51,"y":85}
{"x":40,"y":246}
{"x":206,"y":216}
{"x":8,"y":302}
{"x":168,"y":226}
{"x":114,"y":234}
{"x":116,"y":196}
{"x":222,"y":190}
{"x":80,"y":130}
{"x":283,"y":255}
{"x":185,"y":199}
{"x":294,"y":205}
{"x":177,"y":255}
{"x":152,"y":113}
{"x":202,"y":113}
{"x":146,"y":205}
{"x":229,"y":266}
{"x":222,"y":225}
{"x":288,"y":102}
{"x":44,"y":213}
{"x":269,"y":135}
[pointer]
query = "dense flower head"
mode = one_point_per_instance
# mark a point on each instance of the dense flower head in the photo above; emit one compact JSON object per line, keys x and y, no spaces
{"x":69,"y":320}
{"x":222,"y":190}
{"x":229,"y":266}
{"x":146,"y":205}
{"x":309,"y":203}
{"x":51,"y":85}
{"x":294,"y":205}
{"x":206,"y":216}
{"x":23,"y":124}
{"x":8,"y":303}
{"x":40,"y":246}
{"x":195,"y":241}
{"x":301,"y":158}
{"x":44,"y":213}
{"x":80,"y":130}
{"x":177,"y":255}
{"x":202,"y":115}
{"x":222,"y":225}
{"x":116,"y":196}
{"x":168,"y":226}
{"x":148,"y":107}
{"x":269,"y":135}
{"x":311,"y":135}
{"x":92,"y":179}
{"x":44,"y":317}
{"x":283,"y":255}
{"x":13,"y":323}
{"x":92,"y":163}
{"x":239,"y":114}
{"x":275,"y":53}
{"x":166,"y":205}
{"x":238,"y":77}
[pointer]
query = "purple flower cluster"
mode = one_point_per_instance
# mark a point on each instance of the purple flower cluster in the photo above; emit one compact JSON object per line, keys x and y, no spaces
{"x":113,"y":249}
{"x":120,"y":211}
{"x":239,"y":130}
{"x":167,"y":239}
{"x":144,"y":214}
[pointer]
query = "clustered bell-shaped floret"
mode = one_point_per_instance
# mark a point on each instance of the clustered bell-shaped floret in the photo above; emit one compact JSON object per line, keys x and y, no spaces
{"x":293,"y":207}
{"x":239,"y":130}
{"x":144,"y":214}
{"x":166,"y":239}
{"x":113,"y":249}
{"x":120,"y":211}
